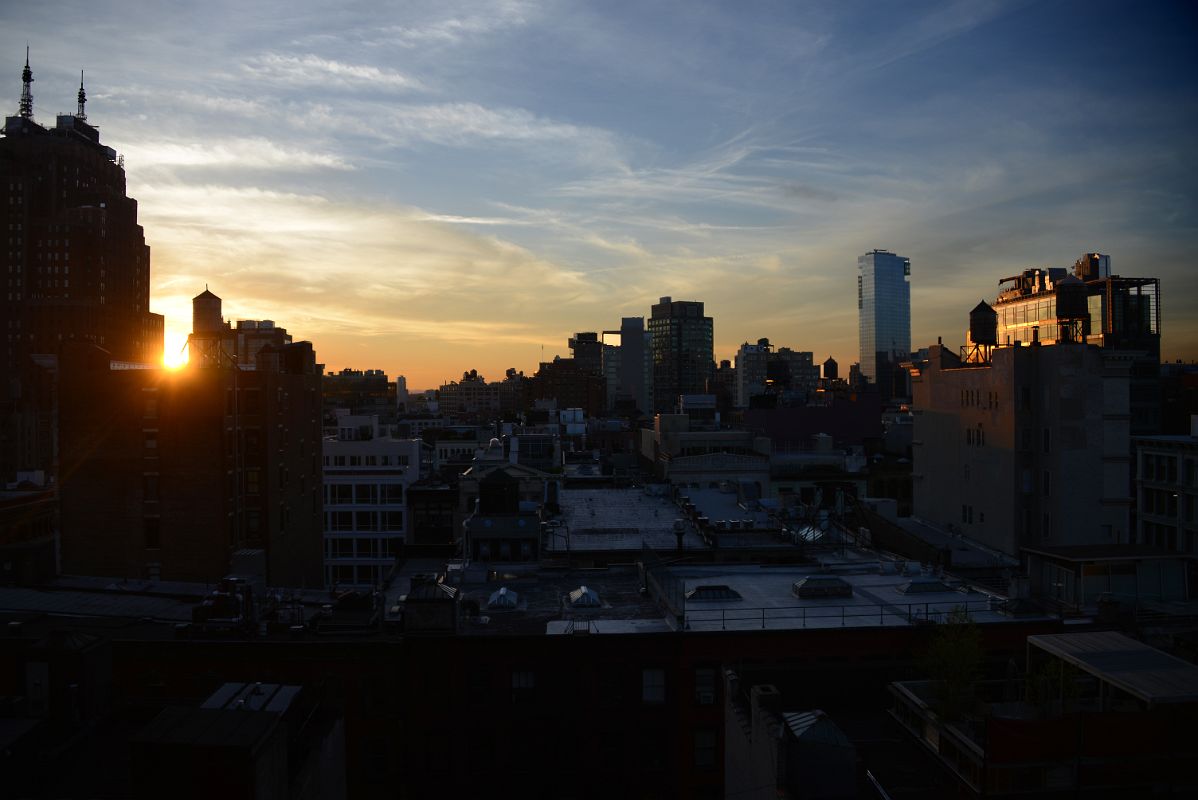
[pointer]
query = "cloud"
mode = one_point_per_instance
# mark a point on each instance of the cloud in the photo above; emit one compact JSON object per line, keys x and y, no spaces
{"x":313,"y":70}
{"x":249,"y":153}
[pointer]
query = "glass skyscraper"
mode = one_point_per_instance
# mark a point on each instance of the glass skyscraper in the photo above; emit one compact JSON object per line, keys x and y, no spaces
{"x":884,"y":316}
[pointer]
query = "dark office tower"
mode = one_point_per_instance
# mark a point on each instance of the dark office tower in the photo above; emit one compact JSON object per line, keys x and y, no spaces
{"x":682,"y":351}
{"x":884,"y":312}
{"x":831,"y":369}
{"x":587,"y":351}
{"x":75,"y":261}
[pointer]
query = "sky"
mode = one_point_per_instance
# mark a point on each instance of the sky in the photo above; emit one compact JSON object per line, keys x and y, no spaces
{"x":428,"y":188}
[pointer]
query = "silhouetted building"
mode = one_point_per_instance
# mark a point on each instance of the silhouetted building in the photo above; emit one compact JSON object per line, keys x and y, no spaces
{"x":587,"y":352}
{"x":214,"y":342}
{"x":28,"y":528}
{"x":470,"y":398}
{"x":77,"y":268}
{"x":884,"y":313}
{"x":831,"y":369}
{"x":361,"y":392}
{"x":166,"y":474}
{"x":752,"y":362}
{"x":682,"y":351}
{"x":572,"y":385}
{"x":636,"y":362}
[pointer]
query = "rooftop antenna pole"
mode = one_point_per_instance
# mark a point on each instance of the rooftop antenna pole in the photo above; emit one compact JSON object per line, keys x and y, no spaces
{"x":81,"y":114}
{"x":26,"y":90}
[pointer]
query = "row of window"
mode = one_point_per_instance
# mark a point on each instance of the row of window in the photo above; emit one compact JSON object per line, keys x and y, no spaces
{"x":1163,"y":468}
{"x":362,"y":547}
{"x":384,"y":460}
{"x":363,"y":494}
{"x":356,"y":574}
{"x":973,"y":398}
{"x":369,"y":521}
{"x":1164,"y":502}
{"x":1168,"y":536}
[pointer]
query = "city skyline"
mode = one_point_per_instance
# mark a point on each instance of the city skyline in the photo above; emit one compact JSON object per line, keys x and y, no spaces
{"x":430,"y":190}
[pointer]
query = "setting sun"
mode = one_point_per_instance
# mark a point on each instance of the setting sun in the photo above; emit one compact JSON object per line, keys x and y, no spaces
{"x":174,"y":353}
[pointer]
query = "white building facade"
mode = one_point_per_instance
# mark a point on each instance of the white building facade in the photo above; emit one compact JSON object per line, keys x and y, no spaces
{"x":366,"y":477}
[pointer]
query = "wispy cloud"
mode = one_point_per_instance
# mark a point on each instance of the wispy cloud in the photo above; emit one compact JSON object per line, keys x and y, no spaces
{"x":313,"y":70}
{"x":251,"y":153}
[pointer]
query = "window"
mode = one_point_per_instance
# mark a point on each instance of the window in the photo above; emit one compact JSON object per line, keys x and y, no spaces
{"x":705,"y":748}
{"x":653,"y":686}
{"x":367,"y":521}
{"x":150,"y":440}
{"x":392,"y":494}
{"x":524,"y":683}
{"x":705,"y":686}
{"x":366,"y":494}
{"x":1047,"y":440}
{"x":149,"y":488}
{"x":252,"y":481}
{"x":340,"y":520}
{"x":1047,"y":482}
{"x":341,"y":494}
{"x":152,"y":532}
{"x":392,"y":520}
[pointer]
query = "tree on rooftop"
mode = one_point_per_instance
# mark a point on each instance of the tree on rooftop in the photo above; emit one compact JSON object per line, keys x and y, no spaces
{"x":954,"y":662}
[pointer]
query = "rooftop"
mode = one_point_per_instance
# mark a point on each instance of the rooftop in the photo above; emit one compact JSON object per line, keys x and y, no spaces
{"x":1145,"y":672}
{"x":619,"y":519}
{"x":769,"y":601}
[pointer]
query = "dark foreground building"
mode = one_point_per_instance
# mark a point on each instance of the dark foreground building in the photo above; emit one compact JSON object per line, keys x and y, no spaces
{"x":166,"y":474}
{"x":76,"y":267}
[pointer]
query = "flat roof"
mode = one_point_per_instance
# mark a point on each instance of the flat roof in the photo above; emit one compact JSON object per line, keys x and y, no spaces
{"x":619,"y":519}
{"x":768,"y":601}
{"x":94,"y":604}
{"x":1103,"y":552}
{"x":1155,"y":677}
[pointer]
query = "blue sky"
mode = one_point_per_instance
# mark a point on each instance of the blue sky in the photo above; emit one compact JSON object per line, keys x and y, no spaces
{"x":428,"y":188}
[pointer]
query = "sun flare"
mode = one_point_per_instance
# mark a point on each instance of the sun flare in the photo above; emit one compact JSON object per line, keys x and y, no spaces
{"x":174,"y":354}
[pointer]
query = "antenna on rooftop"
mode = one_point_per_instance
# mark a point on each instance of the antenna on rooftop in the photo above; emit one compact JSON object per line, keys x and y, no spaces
{"x":26,"y":89}
{"x":81,"y":114}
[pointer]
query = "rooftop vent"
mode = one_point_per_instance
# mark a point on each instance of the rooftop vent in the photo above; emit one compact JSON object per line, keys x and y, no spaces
{"x":503,"y":599}
{"x":712,"y":593}
{"x":814,"y":586}
{"x":582,"y":597}
{"x":923,"y":586}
